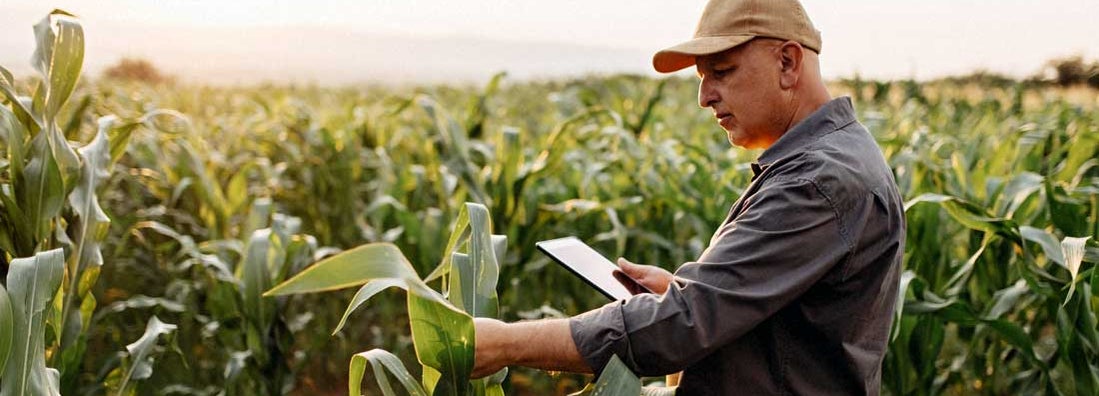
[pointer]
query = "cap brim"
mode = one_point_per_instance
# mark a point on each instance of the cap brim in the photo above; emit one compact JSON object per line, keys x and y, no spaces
{"x":683,"y":55}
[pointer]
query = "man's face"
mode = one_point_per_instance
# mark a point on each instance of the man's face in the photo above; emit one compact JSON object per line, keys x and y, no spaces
{"x":741,"y":86}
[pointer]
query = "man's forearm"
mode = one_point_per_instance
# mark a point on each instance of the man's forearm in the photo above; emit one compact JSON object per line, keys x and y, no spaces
{"x":543,"y":344}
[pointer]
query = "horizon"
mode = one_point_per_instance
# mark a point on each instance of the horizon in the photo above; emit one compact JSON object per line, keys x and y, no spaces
{"x":424,"y":41}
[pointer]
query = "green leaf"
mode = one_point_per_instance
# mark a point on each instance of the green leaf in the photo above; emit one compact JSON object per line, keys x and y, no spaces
{"x":430,"y":376}
{"x":92,"y":223}
{"x":118,"y":135}
{"x":960,"y":312}
{"x":33,"y":282}
{"x":1046,"y":241}
{"x":483,"y":262}
{"x":968,"y":214}
{"x":264,"y":251}
{"x":381,"y":361}
{"x":14,"y":135}
{"x":44,"y":192}
{"x":7,"y":326}
{"x":615,"y":380}
{"x":473,"y":287}
{"x":365,"y":293}
{"x":493,"y":384}
{"x":443,"y":337}
{"x":460,"y":233}
{"x":18,"y":240}
{"x":349,"y":268}
{"x":962,"y":274}
{"x":1004,"y":300}
{"x":478,"y":109}
{"x":1018,"y":190}
{"x":7,"y":87}
{"x":442,"y":334}
{"x":456,"y":147}
{"x":139,"y":363}
{"x":463,"y":280}
{"x":1070,"y":217}
{"x":58,"y":58}
{"x":237,"y":191}
{"x":20,"y":234}
{"x":213,"y":198}
{"x":898,"y":311}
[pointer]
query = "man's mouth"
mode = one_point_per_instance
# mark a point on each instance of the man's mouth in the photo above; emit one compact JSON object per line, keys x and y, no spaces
{"x":724,"y":119}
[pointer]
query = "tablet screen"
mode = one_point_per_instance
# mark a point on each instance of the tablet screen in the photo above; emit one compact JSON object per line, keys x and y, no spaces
{"x":587,"y":263}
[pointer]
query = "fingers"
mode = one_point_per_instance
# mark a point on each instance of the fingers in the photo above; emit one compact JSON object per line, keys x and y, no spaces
{"x":654,"y":278}
{"x":630,"y":283}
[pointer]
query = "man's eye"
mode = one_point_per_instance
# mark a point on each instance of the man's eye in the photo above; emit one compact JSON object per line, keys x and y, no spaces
{"x":723,"y":71}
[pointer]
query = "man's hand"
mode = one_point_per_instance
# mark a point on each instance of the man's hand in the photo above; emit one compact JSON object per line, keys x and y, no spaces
{"x":655,"y":278}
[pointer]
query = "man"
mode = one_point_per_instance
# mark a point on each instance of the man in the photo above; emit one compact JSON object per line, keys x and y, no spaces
{"x":796,"y":292}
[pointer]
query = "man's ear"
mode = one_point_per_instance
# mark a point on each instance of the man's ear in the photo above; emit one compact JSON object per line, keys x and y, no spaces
{"x":790,"y":57}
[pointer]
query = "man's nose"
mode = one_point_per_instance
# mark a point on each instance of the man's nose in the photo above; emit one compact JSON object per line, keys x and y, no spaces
{"x":707,"y":95}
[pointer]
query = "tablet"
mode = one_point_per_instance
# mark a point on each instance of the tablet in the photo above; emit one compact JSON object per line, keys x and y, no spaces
{"x":588,"y":264}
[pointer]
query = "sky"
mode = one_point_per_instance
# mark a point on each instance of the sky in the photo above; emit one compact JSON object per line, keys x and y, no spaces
{"x":338,"y":42}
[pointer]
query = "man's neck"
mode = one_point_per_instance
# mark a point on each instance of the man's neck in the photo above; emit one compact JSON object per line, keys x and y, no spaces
{"x":812,"y":101}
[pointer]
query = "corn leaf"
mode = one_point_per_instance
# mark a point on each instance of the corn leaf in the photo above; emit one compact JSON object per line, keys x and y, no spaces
{"x":968,"y":214}
{"x":92,"y":223}
{"x":484,"y":266}
{"x":349,"y":268}
{"x":1073,"y":251}
{"x":443,"y":337}
{"x":14,"y":136}
{"x":382,"y":361}
{"x":44,"y":192}
{"x":1067,"y":215}
{"x":615,"y":380}
{"x":33,"y":282}
{"x":365,"y":293}
{"x":139,"y":362}
{"x":7,"y":327}
{"x":7,"y":87}
{"x":264,"y":251}
{"x":456,"y":147}
{"x":460,"y":232}
{"x":58,"y":57}
{"x":1046,"y":241}
{"x":441,"y":333}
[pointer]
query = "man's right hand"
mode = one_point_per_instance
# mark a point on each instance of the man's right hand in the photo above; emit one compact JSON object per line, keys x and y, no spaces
{"x":654,"y":278}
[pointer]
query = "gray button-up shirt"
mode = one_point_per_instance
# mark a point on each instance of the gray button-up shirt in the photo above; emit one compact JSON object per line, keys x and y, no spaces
{"x":796,"y":292}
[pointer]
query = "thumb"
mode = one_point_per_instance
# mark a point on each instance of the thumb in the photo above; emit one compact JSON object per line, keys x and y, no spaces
{"x":629,"y":268}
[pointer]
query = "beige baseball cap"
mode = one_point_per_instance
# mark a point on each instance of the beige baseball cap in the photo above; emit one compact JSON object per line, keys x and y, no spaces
{"x":728,"y":23}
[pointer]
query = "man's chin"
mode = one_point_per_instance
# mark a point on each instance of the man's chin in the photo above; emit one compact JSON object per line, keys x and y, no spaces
{"x":736,"y":139}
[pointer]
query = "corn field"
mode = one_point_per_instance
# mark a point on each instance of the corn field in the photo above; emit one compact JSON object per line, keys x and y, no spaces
{"x":170,"y":239}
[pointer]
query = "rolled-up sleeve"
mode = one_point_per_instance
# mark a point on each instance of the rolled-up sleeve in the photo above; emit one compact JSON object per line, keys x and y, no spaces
{"x":786,"y":237}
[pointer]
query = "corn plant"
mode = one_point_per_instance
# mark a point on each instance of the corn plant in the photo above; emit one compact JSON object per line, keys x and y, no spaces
{"x":51,"y":223}
{"x":441,"y":321}
{"x":997,"y":295}
{"x":230,"y":276}
{"x":442,"y":328}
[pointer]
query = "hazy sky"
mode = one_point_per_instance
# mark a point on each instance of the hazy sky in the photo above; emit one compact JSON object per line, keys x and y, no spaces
{"x":437,"y":40}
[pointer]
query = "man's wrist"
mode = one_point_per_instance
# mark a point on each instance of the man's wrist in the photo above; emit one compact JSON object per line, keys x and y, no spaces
{"x":508,"y":347}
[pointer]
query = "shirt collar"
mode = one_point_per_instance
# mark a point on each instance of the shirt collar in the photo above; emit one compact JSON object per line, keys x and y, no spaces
{"x":834,"y":115}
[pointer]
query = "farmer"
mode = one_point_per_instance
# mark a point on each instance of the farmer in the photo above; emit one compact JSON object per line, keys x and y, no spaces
{"x":796,"y":291}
